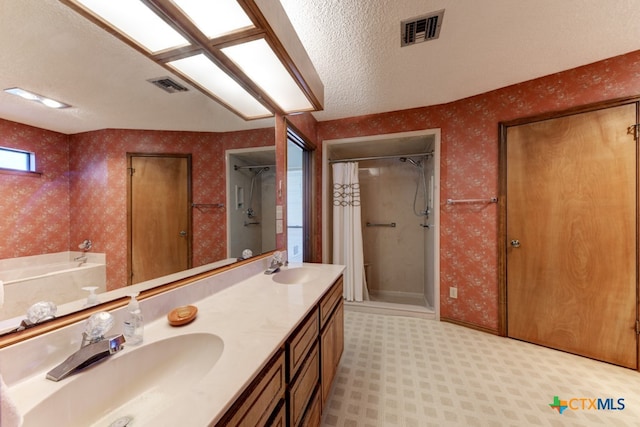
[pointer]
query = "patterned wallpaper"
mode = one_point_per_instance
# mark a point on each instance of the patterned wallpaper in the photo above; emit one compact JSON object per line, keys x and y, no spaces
{"x":469,"y":167}
{"x":89,"y":195}
{"x":34,"y":209}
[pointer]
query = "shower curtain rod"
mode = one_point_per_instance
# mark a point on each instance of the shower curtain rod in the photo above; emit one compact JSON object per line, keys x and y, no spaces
{"x":236,"y":167}
{"x":355,"y":159}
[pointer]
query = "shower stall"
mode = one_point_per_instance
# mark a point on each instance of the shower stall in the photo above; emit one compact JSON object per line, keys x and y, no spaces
{"x":399,"y":197}
{"x":250,"y":201}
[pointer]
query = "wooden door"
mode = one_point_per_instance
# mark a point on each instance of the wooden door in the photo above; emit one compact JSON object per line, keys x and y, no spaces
{"x":159,"y":216}
{"x":571,"y":234}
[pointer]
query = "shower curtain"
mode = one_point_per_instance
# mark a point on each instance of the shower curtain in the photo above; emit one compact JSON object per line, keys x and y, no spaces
{"x":347,"y":230}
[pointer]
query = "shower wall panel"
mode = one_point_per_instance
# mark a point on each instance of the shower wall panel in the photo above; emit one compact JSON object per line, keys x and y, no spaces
{"x":394,"y":256}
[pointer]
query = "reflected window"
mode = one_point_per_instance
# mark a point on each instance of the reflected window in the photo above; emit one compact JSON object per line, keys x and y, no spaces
{"x":299,"y":198}
{"x":17,"y":160}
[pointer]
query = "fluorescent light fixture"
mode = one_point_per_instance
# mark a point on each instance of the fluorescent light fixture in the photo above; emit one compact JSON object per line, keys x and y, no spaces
{"x":51,"y":103}
{"x":211,"y":78}
{"x":260,"y":63}
{"x":252,"y":40}
{"x":215,"y":18}
{"x":138,"y":22}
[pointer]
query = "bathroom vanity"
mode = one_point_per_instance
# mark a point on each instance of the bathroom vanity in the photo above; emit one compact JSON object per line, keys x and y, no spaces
{"x":263,"y":350}
{"x":293,"y":387}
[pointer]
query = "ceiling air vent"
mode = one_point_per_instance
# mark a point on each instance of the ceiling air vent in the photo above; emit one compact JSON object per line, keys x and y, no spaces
{"x":421,"y":28}
{"x":168,"y":84}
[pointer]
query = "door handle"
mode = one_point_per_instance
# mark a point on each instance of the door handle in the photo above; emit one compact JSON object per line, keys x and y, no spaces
{"x":183,"y":233}
{"x":515,"y":243}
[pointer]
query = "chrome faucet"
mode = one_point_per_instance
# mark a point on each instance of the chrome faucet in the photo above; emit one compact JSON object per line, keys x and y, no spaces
{"x":276,"y":262}
{"x":39,"y":312}
{"x":81,"y":259}
{"x":94,"y":347}
{"x":86,"y":246}
{"x":274,"y":267}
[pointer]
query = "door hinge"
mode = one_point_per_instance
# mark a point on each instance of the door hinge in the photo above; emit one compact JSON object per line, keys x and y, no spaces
{"x":131,"y":171}
{"x":637,"y":327}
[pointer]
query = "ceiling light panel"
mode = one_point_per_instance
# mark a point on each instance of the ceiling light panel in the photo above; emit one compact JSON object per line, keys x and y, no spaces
{"x":51,"y":103}
{"x":134,"y":19}
{"x":215,"y":18}
{"x":210,"y":77}
{"x":260,"y":63}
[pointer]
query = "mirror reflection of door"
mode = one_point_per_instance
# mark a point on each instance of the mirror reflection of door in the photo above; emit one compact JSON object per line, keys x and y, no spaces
{"x":299,"y":197}
{"x":159,"y":215}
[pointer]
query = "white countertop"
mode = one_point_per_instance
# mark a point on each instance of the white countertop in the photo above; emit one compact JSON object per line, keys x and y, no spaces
{"x":253,"y":317}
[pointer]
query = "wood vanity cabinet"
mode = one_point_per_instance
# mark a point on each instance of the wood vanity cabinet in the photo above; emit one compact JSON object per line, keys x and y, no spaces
{"x":292,"y":388}
{"x":303,"y":367}
{"x":331,"y":336}
{"x":313,"y":353}
{"x":262,"y":403}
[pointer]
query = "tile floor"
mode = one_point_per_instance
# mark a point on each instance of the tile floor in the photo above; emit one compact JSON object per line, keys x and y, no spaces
{"x":402,"y":371}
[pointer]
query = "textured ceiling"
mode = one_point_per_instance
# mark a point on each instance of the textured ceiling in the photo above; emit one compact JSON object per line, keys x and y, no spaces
{"x":483,"y":45}
{"x":354,"y":44}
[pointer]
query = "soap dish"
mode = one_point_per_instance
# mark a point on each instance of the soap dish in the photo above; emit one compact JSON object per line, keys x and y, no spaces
{"x":182,"y":315}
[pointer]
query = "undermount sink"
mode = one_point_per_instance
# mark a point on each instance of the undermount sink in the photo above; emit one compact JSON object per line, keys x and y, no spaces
{"x":296,"y":275}
{"x":135,"y":384}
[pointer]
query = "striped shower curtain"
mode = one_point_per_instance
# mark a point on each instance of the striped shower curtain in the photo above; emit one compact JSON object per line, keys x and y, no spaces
{"x":347,"y":230}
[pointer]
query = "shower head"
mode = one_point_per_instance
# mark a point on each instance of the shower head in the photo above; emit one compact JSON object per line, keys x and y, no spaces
{"x":410,"y":160}
{"x":264,"y":169}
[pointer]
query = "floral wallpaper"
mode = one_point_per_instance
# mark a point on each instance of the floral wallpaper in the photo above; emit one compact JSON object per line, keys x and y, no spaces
{"x":89,"y":187}
{"x":34,"y":209}
{"x":469,"y":167}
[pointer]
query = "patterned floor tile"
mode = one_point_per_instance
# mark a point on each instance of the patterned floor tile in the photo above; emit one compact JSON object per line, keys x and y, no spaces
{"x":402,"y":371}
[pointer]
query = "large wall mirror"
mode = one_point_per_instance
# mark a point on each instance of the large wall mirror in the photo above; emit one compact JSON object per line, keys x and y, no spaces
{"x":82,"y":153}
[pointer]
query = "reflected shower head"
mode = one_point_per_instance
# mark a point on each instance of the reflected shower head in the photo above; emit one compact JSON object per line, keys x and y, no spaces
{"x":264,"y":169}
{"x":410,"y":160}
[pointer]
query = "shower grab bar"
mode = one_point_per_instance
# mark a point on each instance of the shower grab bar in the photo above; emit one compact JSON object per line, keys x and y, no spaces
{"x":462,"y":201}
{"x":373,"y":224}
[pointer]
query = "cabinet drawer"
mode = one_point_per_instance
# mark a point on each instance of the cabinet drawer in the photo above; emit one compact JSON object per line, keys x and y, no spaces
{"x":313,"y":417}
{"x":329,"y":301}
{"x":280,"y":417}
{"x":300,"y":343}
{"x":303,"y":387}
{"x":257,"y":404}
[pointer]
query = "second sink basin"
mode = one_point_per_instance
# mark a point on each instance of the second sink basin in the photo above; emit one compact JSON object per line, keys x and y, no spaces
{"x":136,"y":384}
{"x":296,"y":275}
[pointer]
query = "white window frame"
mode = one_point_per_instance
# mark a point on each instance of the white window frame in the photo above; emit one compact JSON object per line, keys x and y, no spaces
{"x":29,"y":159}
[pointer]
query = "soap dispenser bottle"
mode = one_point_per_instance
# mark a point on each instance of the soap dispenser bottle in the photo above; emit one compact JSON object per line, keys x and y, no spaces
{"x":133,"y":323}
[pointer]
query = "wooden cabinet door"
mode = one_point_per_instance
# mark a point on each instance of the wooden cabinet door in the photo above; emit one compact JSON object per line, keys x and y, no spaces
{"x":332,"y":345}
{"x":301,"y":390}
{"x":262,"y":402}
{"x":571,"y":234}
